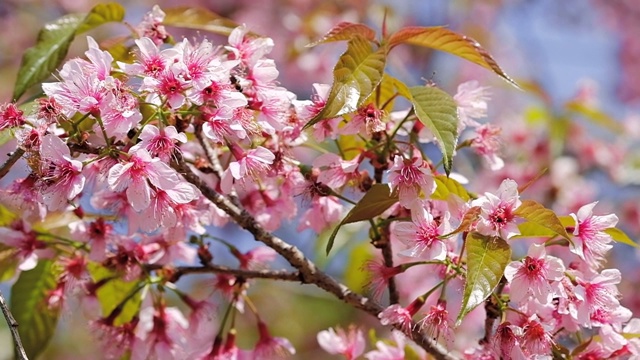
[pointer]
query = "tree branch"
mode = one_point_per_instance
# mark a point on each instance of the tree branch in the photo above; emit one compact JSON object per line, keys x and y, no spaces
{"x":309,"y":273}
{"x":241,"y":273}
{"x":13,"y":158}
{"x":13,"y":327}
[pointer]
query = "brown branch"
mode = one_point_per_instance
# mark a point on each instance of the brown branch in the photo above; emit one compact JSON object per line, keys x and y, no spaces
{"x":283,"y":275}
{"x":309,"y":273}
{"x":13,"y":158}
{"x":13,"y":327}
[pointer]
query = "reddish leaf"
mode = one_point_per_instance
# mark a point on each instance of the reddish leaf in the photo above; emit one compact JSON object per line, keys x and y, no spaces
{"x":345,"y":31}
{"x":443,"y":39}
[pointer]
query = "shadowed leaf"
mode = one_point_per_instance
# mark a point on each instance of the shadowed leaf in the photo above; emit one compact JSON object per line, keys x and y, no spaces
{"x":378,"y":199}
{"x":487,"y":257}
{"x":346,"y":31}
{"x":200,"y":19}
{"x":37,"y":322}
{"x":357,"y":73}
{"x":443,"y":39}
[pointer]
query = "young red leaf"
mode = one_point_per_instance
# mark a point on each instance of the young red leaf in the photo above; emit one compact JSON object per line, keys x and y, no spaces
{"x":357,"y":73}
{"x":487,"y":257}
{"x":346,"y":31}
{"x":378,"y":199}
{"x":443,"y":39}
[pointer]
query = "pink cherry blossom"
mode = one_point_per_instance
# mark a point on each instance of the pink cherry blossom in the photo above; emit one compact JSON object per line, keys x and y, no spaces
{"x":29,"y":249}
{"x":368,"y":120}
{"x":160,"y":142}
{"x":379,"y":275}
{"x":323,"y":212}
{"x":349,"y":344}
{"x":11,"y":116}
{"x":532,"y":276}
{"x":151,"y":26}
{"x":160,"y":334}
{"x":412,"y":179}
{"x":336,"y":172}
{"x":134,"y":174}
{"x":249,"y":165}
{"x":386,"y":351}
{"x":487,"y":144}
{"x":269,"y":347}
{"x":61,"y":176}
{"x":437,"y":322}
{"x":591,"y":243}
{"x":536,"y":340}
{"x":423,"y":235}
{"x":471,"y":99}
{"x":497,"y":218}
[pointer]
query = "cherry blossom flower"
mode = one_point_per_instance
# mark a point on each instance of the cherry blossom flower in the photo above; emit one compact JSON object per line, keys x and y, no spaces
{"x":487,"y":144}
{"x":532,"y":275}
{"x":336,"y":172}
{"x":506,"y":342}
{"x":423,"y":235}
{"x":269,"y":347}
{"x":307,"y":109}
{"x":497,"y":218}
{"x":379,"y":275}
{"x":11,"y":116}
{"x":437,"y":322}
{"x":349,"y":344}
{"x":160,"y":142}
{"x":114,"y":340}
{"x":160,"y":334}
{"x":29,"y":249}
{"x":323,"y":212}
{"x":249,"y":165}
{"x":367,"y":120}
{"x":61,"y":176}
{"x":412,"y":179}
{"x":536,"y":340}
{"x":151,"y":26}
{"x":385,"y":351}
{"x":590,"y":241}
{"x":133,"y":175}
{"x":397,"y":315}
{"x":471,"y":99}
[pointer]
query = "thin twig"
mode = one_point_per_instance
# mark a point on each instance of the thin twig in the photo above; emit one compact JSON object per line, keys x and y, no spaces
{"x":13,"y":326}
{"x":309,"y":273}
{"x":13,"y":158}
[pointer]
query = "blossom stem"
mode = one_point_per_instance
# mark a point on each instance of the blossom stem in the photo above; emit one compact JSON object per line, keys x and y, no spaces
{"x":15,"y":156}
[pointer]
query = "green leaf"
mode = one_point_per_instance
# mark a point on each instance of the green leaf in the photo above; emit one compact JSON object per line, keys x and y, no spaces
{"x":537,"y":214}
{"x":446,"y":186}
{"x":39,"y":61}
{"x":357,"y":73}
{"x":354,"y":277}
{"x":487,"y":257}
{"x":346,"y":31}
{"x":8,"y":262}
{"x":101,"y":14}
{"x":199,"y":18}
{"x":378,"y":199}
{"x":36,"y":321}
{"x":385,"y":94}
{"x":439,"y":113}
{"x":620,"y":236}
{"x":443,"y":39}
{"x":596,"y":116}
{"x":114,"y":293}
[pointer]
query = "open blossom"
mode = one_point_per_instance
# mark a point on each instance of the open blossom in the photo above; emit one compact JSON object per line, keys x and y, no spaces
{"x":412,"y":178}
{"x":336,"y":172}
{"x":324,"y":211}
{"x":270,"y":347}
{"x":423,"y":235}
{"x":29,"y":249}
{"x":249,"y":165}
{"x":61,"y":176}
{"x":349,"y":344}
{"x":471,"y":99}
{"x":151,"y":26}
{"x":497,"y":218}
{"x":307,"y":109}
{"x":536,"y":339}
{"x":532,"y":275}
{"x":590,"y":241}
{"x":386,"y":351}
{"x":11,"y":116}
{"x":160,"y":334}
{"x":602,"y":298}
{"x":437,"y":321}
{"x":134,"y":174}
{"x":367,"y":120}
{"x":160,"y":142}
{"x":487,"y":144}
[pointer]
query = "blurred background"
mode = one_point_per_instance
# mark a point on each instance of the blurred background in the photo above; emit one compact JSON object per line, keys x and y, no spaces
{"x":578,"y":63}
